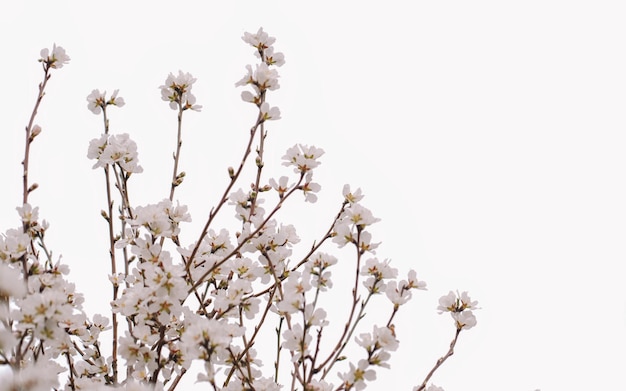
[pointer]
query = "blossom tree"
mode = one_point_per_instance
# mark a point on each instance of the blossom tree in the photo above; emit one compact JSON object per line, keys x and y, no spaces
{"x":207,"y":301}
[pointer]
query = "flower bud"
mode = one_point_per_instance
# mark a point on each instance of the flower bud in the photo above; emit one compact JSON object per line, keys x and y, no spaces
{"x":34,"y":132}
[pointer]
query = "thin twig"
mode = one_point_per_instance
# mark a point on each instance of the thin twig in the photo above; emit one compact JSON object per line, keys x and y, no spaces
{"x":441,"y":360}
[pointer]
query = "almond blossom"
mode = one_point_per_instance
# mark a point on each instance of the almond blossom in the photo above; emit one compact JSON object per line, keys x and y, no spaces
{"x":54,"y":58}
{"x":205,"y":301}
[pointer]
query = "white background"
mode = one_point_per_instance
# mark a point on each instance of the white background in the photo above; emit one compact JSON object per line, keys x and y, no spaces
{"x":487,"y":135}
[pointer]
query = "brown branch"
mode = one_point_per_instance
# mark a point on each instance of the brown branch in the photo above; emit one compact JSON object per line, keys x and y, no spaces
{"x":440,"y":361}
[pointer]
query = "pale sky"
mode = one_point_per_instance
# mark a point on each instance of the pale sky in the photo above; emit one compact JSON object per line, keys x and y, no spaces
{"x":488,"y":136}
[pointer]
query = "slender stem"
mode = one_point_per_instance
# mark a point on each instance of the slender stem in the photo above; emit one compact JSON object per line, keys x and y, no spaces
{"x":71,"y":370}
{"x":248,"y":360}
{"x":107,"y":176}
{"x":277,"y":363}
{"x":343,"y":340}
{"x":179,"y":143}
{"x":259,"y":164}
{"x":326,"y":237}
{"x":257,"y":328}
{"x":177,"y":379}
{"x":441,"y":360}
{"x":29,"y":134}
{"x":224,"y":198}
{"x":29,"y":137}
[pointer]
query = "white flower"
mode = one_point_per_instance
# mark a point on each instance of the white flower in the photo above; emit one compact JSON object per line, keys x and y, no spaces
{"x":310,"y":188}
{"x":40,"y":375}
{"x":281,"y":186}
{"x":456,"y":302}
{"x":112,"y":149}
{"x":248,"y":96}
{"x":315,"y":316}
{"x":296,"y":342}
{"x":272,"y":58}
{"x":319,"y":385}
{"x":261,"y":40}
{"x":357,"y":375}
{"x":384,"y":338}
{"x":360,"y":215}
{"x":317,"y":266}
{"x":97,"y":100}
{"x":464,"y":320}
{"x":177,"y":91}
{"x":413,"y":282}
{"x":378,"y":269}
{"x":269,"y":113}
{"x":11,"y":282}
{"x":265,"y":384}
{"x":303,"y":157}
{"x":352,"y":197}
{"x":262,"y":78}
{"x":13,"y":244}
{"x":28,"y":213}
{"x":116,"y":100}
{"x":56,"y":59}
{"x":447,"y":303}
{"x":398,"y":296}
{"x":466,"y":302}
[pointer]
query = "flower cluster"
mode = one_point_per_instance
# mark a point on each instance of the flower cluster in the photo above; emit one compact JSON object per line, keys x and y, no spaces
{"x":41,"y":314}
{"x":262,"y":78}
{"x":377,"y":344}
{"x":119,"y":150}
{"x":351,"y":227}
{"x":459,"y":306}
{"x":54,"y":58}
{"x":177,"y":91}
{"x":97,"y":101}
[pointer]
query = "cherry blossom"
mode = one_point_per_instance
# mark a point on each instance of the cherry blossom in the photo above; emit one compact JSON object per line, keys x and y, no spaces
{"x":115,"y":149}
{"x":54,"y":58}
{"x":260,"y":40}
{"x":269,"y":113}
{"x":96,"y":101}
{"x":204,"y":300}
{"x":356,"y":377}
{"x":352,"y":197}
{"x":302,"y":157}
{"x":297,"y":342}
{"x":177,"y":91}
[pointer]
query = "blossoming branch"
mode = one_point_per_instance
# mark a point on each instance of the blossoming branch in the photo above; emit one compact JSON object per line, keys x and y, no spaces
{"x":209,"y":300}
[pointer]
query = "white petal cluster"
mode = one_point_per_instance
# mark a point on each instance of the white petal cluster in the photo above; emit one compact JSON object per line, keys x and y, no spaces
{"x":43,"y":310}
{"x":115,"y":149}
{"x":302,"y":157}
{"x":399,"y":293}
{"x":460,"y":307}
{"x":160,"y":219}
{"x":357,"y":375}
{"x":97,"y":101}
{"x":351,"y":226}
{"x":54,"y":58}
{"x":177,"y":91}
{"x":263,"y":77}
{"x":13,"y":244}
{"x":260,"y":40}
